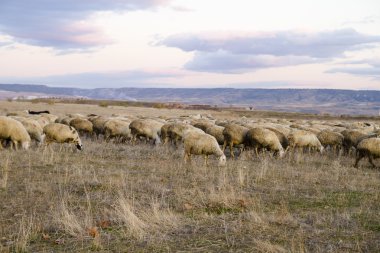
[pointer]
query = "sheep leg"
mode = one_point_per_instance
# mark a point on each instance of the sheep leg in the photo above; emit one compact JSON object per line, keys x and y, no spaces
{"x":187,"y":157}
{"x":224,"y":146}
{"x":206,"y":160}
{"x":370,"y":158}
{"x":232,"y":150}
{"x":256,"y":152}
{"x":14,"y":145}
{"x":358,"y":158}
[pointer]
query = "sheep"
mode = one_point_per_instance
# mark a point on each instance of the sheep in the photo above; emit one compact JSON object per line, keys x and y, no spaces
{"x":66,"y":120}
{"x":262,"y":138}
{"x":98,"y":123}
{"x":303,"y":139}
{"x":61,"y":133}
{"x":370,"y":148}
{"x":34,"y":129}
{"x":351,"y":139}
{"x":41,"y":120}
{"x":118,"y":129}
{"x":217,"y":132}
{"x":197,"y":143}
{"x":164,"y":132}
{"x":13,"y":131}
{"x":281,"y":137}
{"x":148,"y":128}
{"x":234,"y":135}
{"x":50,"y":117}
{"x":202,"y":124}
{"x":83,"y":126}
{"x":176,"y":131}
{"x":331,"y":139}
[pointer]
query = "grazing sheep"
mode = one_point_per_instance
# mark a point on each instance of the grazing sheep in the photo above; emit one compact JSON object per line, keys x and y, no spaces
{"x":83,"y":126}
{"x":60,"y":133}
{"x":34,"y":129}
{"x":177,"y":131}
{"x":13,"y":131}
{"x":281,"y":137}
{"x":197,"y":143}
{"x":66,"y":120}
{"x":368,"y":148}
{"x":202,"y":124}
{"x":148,"y":128}
{"x":234,"y":135}
{"x":164,"y":132}
{"x":117,"y":129}
{"x":217,"y":132}
{"x":331,"y":139}
{"x":352,"y":138}
{"x":98,"y":123}
{"x":50,"y":117}
{"x":41,"y":120}
{"x":264,"y":139}
{"x":303,"y":139}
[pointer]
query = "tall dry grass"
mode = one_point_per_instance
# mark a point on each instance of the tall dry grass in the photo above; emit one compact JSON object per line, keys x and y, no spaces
{"x":118,"y":197}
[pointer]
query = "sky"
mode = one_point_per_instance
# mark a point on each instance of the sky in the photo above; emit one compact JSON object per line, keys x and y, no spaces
{"x":191,"y":44}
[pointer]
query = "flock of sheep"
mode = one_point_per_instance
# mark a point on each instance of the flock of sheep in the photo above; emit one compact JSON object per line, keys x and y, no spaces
{"x":200,"y":135}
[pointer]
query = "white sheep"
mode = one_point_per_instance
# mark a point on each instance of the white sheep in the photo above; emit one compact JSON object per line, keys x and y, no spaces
{"x":304,"y":139}
{"x":60,"y":133}
{"x":118,"y":129}
{"x":262,"y":138}
{"x":34,"y":129}
{"x":12,"y":130}
{"x":148,"y":128}
{"x":197,"y":143}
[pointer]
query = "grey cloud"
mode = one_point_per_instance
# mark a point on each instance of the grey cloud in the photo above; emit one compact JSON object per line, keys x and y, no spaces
{"x":371,"y":68}
{"x":240,"y":53}
{"x":225,"y":62}
{"x":56,"y":23}
{"x":319,"y":45}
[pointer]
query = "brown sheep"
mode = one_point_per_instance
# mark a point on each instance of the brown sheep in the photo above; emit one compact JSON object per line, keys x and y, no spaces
{"x":234,"y":135}
{"x":217,"y":132}
{"x":352,"y":138}
{"x":331,"y":139}
{"x":368,"y":148}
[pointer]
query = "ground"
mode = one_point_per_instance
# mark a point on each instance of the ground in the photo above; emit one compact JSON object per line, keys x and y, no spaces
{"x":123,"y":198}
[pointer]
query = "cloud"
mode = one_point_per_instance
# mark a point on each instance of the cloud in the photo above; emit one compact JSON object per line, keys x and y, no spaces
{"x":231,"y":51}
{"x":226,"y":62}
{"x":61,"y":24}
{"x":98,"y":79}
{"x":371,"y":68}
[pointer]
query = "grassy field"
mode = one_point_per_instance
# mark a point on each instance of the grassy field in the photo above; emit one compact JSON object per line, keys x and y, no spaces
{"x":122,"y":198}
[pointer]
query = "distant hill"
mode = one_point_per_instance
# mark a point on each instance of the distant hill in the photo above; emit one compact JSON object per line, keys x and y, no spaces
{"x":332,"y":101}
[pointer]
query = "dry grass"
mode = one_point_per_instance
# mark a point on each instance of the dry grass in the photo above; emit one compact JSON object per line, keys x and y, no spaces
{"x":122,"y":198}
